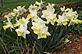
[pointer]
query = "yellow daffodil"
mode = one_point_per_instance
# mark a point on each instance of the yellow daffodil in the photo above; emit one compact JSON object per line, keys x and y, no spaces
{"x":62,"y":20}
{"x":15,"y":10}
{"x":53,"y":19}
{"x":36,"y":30}
{"x":40,"y":28}
{"x":6,"y":26}
{"x":43,"y":35}
{"x":77,"y":21}
{"x":29,"y":16}
{"x":22,"y":31}
{"x":66,"y":41}
{"x":15,"y":25}
{"x":22,"y":21}
{"x":64,"y":23}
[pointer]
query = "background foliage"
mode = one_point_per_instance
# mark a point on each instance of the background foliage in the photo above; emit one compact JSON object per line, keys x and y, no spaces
{"x":10,"y":4}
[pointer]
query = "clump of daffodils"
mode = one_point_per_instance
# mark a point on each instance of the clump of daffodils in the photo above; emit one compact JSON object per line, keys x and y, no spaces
{"x":39,"y":25}
{"x":68,"y":17}
{"x":40,"y":28}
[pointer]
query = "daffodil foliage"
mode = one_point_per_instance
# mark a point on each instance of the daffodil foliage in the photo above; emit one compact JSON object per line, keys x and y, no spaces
{"x":43,"y":24}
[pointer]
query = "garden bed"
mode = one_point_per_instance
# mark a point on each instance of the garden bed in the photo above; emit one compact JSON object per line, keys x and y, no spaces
{"x":73,"y":47}
{"x":59,"y":33}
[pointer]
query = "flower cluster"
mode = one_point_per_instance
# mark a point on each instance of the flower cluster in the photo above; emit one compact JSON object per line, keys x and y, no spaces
{"x":39,"y":25}
{"x":68,"y":17}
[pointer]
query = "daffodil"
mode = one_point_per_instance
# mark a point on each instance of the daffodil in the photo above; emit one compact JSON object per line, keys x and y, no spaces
{"x":77,"y":21}
{"x":51,"y":19}
{"x":6,"y":26}
{"x":49,"y":15}
{"x":22,"y":31}
{"x":15,"y":10}
{"x":39,"y":4}
{"x":33,"y":12}
{"x":40,"y":28}
{"x":22,"y":27}
{"x":29,"y":16}
{"x":67,"y":40}
{"x":70,"y":14}
{"x":44,"y":33}
{"x":16,"y":25}
{"x":22,"y":21}
{"x":50,"y":10}
{"x":62,"y":8}
{"x":19,"y":10}
{"x":8,"y":23}
{"x":62,"y":20}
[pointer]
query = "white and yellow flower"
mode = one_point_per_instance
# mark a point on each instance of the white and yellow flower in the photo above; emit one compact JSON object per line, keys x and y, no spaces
{"x":40,"y":28}
{"x":62,"y":8}
{"x":22,"y":31}
{"x":8,"y":23}
{"x":19,"y":10}
{"x":23,"y":21}
{"x":50,"y":10}
{"x":49,"y":14}
{"x":39,"y":4}
{"x":33,"y":12}
{"x":62,"y":20}
{"x":77,"y":21}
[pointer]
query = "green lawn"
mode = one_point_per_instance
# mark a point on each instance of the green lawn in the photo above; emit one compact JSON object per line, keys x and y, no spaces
{"x":10,"y":4}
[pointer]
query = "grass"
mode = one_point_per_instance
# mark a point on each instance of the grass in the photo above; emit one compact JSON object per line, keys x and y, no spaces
{"x":10,"y":4}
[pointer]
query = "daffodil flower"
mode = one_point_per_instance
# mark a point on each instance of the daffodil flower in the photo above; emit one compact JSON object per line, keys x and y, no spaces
{"x":23,"y":21}
{"x":39,"y":4}
{"x":33,"y":12}
{"x":62,"y":20}
{"x":50,"y":10}
{"x":22,"y":31}
{"x":44,"y":33}
{"x":40,"y":28}
{"x":8,"y":23}
{"x":67,"y":40}
{"x":20,"y":10}
{"x":77,"y":21}
{"x":63,"y":8}
{"x":49,"y":14}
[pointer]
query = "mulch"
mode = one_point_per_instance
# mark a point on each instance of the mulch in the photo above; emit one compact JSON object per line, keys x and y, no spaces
{"x":72,"y":48}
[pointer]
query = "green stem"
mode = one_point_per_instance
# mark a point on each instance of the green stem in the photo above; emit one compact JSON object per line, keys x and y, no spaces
{"x":33,"y":49}
{"x":4,"y":46}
